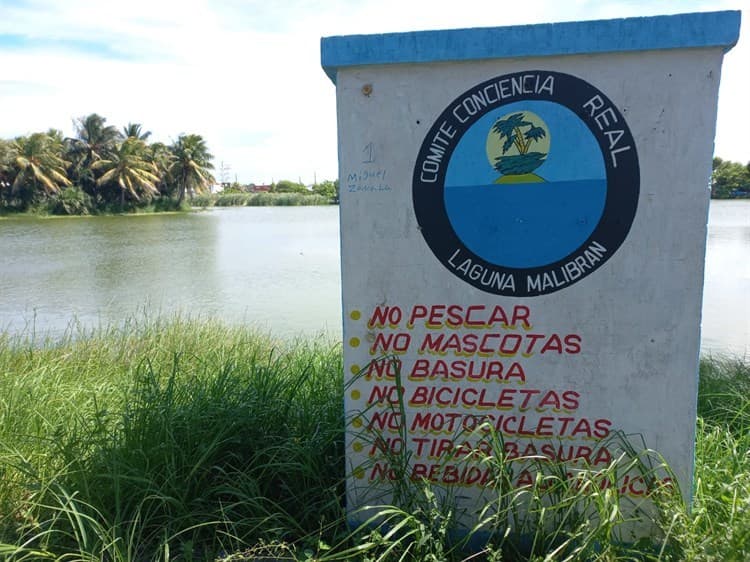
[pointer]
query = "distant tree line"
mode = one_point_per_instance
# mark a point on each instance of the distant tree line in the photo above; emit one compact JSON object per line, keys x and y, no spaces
{"x":326,"y":188}
{"x":101,"y":169}
{"x":730,"y":179}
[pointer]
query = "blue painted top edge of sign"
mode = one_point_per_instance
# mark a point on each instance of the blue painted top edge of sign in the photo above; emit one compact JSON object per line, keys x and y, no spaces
{"x":705,"y":29}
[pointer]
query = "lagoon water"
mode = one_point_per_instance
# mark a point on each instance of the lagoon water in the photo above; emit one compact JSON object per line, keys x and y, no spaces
{"x":726,"y":292}
{"x":276,"y":268}
{"x":569,"y":209}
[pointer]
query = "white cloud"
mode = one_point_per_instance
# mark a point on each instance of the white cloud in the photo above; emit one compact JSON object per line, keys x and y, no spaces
{"x":246,"y":74}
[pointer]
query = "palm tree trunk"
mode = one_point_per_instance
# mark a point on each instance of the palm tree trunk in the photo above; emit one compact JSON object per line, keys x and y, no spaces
{"x":183,"y":183}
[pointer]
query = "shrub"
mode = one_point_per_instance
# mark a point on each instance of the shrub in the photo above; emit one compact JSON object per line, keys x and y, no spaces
{"x":71,"y":201}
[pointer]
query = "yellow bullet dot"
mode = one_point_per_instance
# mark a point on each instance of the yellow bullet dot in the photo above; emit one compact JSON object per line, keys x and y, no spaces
{"x":356,"y":395}
{"x":354,"y":342}
{"x":355,"y":315}
{"x":359,"y":473}
{"x":355,"y":369}
{"x":357,"y":446}
{"x":357,"y":422}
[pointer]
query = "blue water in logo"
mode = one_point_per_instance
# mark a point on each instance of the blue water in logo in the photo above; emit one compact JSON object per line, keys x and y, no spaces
{"x":525,"y":224}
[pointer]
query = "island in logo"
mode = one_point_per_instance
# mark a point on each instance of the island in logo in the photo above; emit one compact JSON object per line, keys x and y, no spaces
{"x":529,"y":202}
{"x":509,"y":147}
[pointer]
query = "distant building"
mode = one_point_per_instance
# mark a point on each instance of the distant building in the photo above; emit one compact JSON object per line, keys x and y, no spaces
{"x":260,"y":188}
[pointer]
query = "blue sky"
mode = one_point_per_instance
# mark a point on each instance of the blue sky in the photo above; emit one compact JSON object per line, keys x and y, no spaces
{"x":246,"y":74}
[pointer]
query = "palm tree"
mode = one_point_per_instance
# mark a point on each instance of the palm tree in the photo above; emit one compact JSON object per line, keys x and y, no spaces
{"x":135,"y":130}
{"x":96,"y":137}
{"x":94,"y":141}
{"x":128,"y":169}
{"x":39,"y":163}
{"x":511,"y":128}
{"x":7,"y":156}
{"x":191,"y":166}
{"x":160,"y":155}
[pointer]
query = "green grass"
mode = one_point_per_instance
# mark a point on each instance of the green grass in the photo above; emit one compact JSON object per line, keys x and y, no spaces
{"x":188,"y":440}
{"x":259,"y":200}
{"x":180,"y":437}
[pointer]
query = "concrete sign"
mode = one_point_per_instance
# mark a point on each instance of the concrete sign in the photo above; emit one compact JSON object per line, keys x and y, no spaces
{"x":523,"y":224}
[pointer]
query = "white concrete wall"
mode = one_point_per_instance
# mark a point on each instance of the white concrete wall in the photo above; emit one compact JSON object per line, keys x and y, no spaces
{"x":637,"y":316}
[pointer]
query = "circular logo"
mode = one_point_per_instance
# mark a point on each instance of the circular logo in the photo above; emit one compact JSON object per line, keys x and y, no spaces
{"x":527,"y":183}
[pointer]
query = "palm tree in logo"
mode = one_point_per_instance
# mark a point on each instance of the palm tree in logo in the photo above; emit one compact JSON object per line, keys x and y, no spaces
{"x":518,"y":132}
